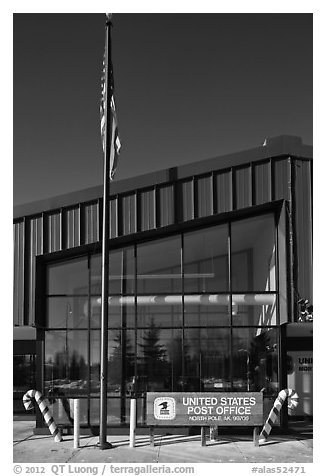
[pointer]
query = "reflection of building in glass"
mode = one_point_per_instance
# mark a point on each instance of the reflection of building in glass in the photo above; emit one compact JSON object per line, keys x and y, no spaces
{"x":207,"y":264}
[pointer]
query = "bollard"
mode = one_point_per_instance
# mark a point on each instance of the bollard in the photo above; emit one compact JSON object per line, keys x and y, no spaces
{"x":44,"y":409}
{"x":132,"y":422}
{"x":275,"y":411}
{"x":76,"y":423}
{"x":213,"y":433}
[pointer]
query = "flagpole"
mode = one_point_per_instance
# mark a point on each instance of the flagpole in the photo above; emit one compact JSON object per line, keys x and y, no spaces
{"x":103,"y":444}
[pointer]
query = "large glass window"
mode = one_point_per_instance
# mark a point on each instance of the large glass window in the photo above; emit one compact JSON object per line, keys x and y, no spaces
{"x":184,"y":315}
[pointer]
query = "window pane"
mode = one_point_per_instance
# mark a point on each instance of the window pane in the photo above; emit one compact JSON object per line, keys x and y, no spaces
{"x":161,"y":316}
{"x":255,"y":360}
{"x":121,"y":355}
{"x":253,"y":309}
{"x":206,"y":260}
{"x":207,"y":360}
{"x":114,"y":416}
{"x":121,"y":272}
{"x":120,"y":314}
{"x":206,"y":315}
{"x":159,"y":266}
{"x":69,"y":312}
{"x":66,"y":363}
{"x":159,"y":359}
{"x":70,"y":277}
{"x":253,"y":254}
{"x":63,"y":410}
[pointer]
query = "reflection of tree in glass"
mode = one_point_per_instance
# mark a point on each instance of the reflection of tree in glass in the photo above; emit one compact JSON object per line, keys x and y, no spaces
{"x":154,"y":353}
{"x":77,"y":366}
{"x":122,"y":355}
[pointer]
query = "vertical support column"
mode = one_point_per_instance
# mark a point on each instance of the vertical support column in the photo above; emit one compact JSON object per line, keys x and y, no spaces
{"x":76,"y":422}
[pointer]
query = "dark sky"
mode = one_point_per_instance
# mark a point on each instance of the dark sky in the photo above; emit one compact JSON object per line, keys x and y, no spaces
{"x":187,"y":86}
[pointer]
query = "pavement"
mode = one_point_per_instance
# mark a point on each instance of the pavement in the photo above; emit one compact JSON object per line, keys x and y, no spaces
{"x":294,"y":447}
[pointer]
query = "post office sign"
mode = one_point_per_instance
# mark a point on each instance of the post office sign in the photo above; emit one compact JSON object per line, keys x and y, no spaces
{"x":205,"y":409}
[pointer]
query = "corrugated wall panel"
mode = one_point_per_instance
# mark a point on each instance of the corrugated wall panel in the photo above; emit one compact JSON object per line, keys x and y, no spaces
{"x":129,"y":210}
{"x":204,"y":196}
{"x":113,"y":218}
{"x":262,"y":183}
{"x":18,"y":305}
{"x":303,"y":223}
{"x":282,"y":175}
{"x":166,"y":205}
{"x":53,"y":232}
{"x":187,"y":205}
{"x":223,"y":192}
{"x":91,"y":220}
{"x":35,"y":248}
{"x":147,"y":210}
{"x":243,"y":189}
{"x":72,"y":227}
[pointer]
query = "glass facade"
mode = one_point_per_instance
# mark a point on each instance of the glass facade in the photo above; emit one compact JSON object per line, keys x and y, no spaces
{"x":195,"y":311}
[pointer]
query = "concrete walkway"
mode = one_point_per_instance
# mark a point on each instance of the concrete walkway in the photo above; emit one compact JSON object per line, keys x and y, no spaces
{"x":296,"y":447}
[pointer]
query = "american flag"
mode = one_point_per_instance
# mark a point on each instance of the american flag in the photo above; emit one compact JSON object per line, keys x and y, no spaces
{"x":107,"y":96}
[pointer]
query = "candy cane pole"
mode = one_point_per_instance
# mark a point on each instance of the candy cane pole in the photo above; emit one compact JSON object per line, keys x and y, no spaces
{"x":275,"y":411}
{"x":44,"y":409}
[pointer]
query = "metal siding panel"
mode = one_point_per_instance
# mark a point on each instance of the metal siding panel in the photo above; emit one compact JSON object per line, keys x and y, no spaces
{"x":204,"y":196}
{"x":187,"y":200}
{"x":263,"y":185}
{"x":113,"y":218}
{"x":223,"y":192}
{"x":18,"y":305}
{"x":91,"y":218}
{"x":282,"y":177}
{"x":243,"y":187}
{"x":73,"y":227}
{"x":129,"y":214}
{"x":147,"y":206}
{"x":53,"y":231}
{"x":35,"y":248}
{"x":166,"y":205}
{"x":303,"y":223}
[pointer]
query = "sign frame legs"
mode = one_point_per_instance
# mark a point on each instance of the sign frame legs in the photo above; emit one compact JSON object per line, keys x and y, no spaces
{"x":256,"y":436}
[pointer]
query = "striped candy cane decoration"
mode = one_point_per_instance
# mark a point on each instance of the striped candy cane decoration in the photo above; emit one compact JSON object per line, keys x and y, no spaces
{"x":293,"y":401}
{"x":44,"y":409}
